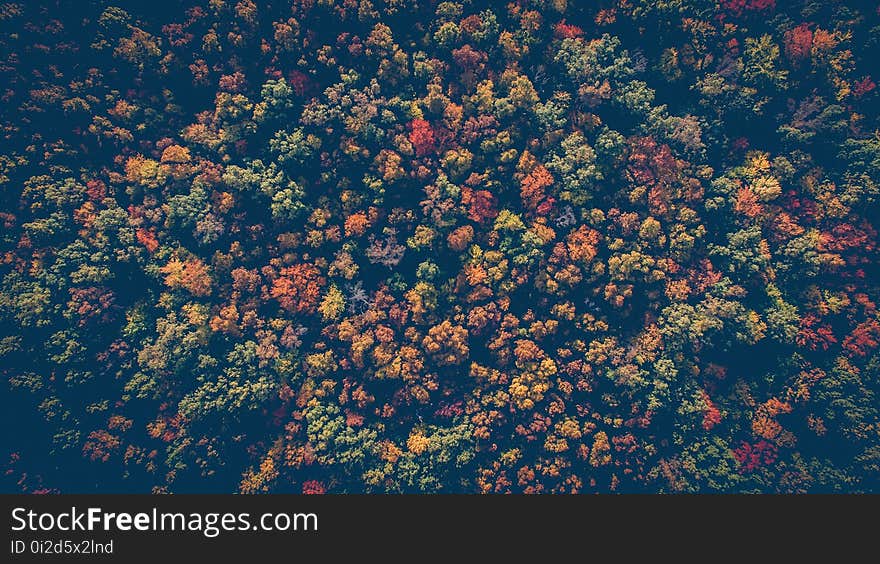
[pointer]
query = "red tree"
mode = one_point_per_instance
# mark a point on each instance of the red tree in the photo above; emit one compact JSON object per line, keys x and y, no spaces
{"x":798,"y":42}
{"x":298,"y":289}
{"x":421,"y":135}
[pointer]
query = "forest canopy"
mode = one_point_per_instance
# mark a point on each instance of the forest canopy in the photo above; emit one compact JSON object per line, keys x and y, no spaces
{"x":543,"y":246}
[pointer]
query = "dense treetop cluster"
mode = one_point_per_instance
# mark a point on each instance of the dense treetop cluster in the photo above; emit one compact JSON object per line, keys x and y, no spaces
{"x":417,"y":246}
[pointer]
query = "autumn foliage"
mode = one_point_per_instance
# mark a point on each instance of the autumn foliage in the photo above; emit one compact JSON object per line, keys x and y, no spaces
{"x":417,"y":247}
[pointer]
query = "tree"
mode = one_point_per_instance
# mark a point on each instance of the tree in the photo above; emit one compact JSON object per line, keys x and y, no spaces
{"x":298,"y":288}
